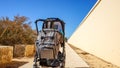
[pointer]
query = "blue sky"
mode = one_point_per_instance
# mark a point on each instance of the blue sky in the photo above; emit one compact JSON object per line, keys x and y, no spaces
{"x":71,"y":12}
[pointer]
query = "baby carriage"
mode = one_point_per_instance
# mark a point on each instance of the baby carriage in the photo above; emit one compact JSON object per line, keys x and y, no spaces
{"x":50,"y":45}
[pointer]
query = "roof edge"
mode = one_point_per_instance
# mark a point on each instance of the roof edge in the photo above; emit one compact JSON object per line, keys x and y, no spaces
{"x":95,"y":5}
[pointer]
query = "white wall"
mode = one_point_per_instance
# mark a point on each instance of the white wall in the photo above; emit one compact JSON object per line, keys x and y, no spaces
{"x":99,"y":33}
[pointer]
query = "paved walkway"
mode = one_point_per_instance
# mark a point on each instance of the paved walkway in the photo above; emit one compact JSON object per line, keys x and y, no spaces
{"x":72,"y":60}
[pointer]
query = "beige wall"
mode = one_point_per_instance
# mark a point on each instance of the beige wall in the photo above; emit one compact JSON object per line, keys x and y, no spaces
{"x":99,"y":33}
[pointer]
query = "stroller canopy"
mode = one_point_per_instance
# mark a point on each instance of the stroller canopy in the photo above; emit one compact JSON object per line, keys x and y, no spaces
{"x":52,"y":23}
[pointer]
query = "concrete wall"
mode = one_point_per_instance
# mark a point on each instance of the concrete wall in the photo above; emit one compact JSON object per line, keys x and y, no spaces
{"x":99,"y":33}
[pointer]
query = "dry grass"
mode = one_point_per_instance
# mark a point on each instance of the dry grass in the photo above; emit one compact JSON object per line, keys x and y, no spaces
{"x":16,"y":31}
{"x":19,"y":50}
{"x":29,"y":50}
{"x":93,"y":61}
{"x":6,"y":54}
{"x":24,"y":50}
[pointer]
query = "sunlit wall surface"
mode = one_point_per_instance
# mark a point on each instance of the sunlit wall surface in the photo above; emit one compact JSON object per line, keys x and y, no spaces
{"x":99,"y":33}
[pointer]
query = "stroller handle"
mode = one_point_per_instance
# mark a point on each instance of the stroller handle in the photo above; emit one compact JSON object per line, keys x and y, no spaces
{"x":37,"y":22}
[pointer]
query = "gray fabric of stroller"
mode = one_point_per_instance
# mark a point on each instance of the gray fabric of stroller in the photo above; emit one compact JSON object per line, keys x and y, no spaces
{"x":46,"y":37}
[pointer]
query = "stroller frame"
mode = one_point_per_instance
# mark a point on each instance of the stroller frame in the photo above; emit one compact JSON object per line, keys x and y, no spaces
{"x":55,"y":58}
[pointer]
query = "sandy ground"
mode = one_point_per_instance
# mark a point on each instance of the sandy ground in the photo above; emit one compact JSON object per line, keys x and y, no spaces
{"x":16,"y":62}
{"x":93,"y":61}
{"x":73,"y":60}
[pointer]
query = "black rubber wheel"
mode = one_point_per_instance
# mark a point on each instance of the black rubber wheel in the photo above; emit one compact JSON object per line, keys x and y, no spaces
{"x":35,"y":66}
{"x":43,"y":62}
{"x":55,"y":63}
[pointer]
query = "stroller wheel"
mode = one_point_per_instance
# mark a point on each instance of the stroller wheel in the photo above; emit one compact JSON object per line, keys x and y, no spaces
{"x":43,"y":62}
{"x":62,"y":64}
{"x":55,"y":63}
{"x":35,"y":66}
{"x":61,"y":57}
